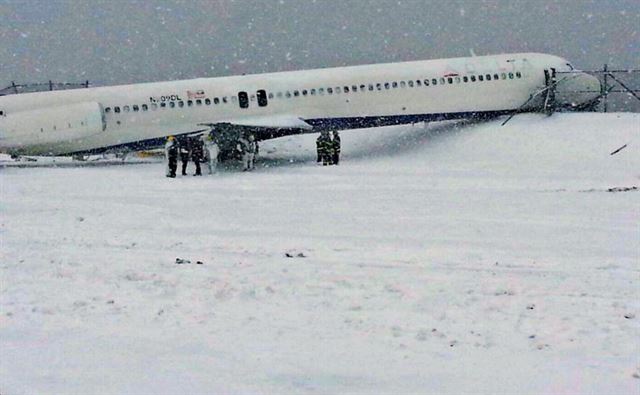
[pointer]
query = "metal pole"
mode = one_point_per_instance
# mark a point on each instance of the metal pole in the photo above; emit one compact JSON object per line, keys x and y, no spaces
{"x":606,"y":89}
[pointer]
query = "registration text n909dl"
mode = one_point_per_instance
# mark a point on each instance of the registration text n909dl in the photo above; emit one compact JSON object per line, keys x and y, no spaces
{"x":159,"y":99}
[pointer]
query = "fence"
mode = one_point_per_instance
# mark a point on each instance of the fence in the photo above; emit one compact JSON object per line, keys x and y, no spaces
{"x":14,"y":88}
{"x":619,"y":91}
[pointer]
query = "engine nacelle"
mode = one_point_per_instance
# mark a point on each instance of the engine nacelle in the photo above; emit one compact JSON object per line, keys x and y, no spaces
{"x":50,"y":125}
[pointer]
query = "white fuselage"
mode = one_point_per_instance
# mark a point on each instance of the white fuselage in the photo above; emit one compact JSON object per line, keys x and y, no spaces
{"x":81,"y":120}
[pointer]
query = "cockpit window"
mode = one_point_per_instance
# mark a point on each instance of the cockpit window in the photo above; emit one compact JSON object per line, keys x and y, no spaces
{"x":570,"y":66}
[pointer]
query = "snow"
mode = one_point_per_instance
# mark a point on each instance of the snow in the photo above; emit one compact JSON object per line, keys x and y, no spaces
{"x":443,"y":259}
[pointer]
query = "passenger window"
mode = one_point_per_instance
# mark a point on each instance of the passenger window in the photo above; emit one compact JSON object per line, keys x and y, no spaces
{"x":116,"y":109}
{"x":346,"y":89}
{"x":410,"y":83}
{"x":426,"y":82}
{"x":465,"y":79}
{"x":450,"y":80}
{"x":321,"y":91}
{"x":488,"y":76}
{"x":270,"y":95}
{"x":496,"y":77}
{"x":480,"y":77}
{"x":262,"y":98}
{"x":338,"y":90}
{"x":362,"y":88}
{"x":403,"y":84}
{"x":189,"y":103}
{"x":172,"y":104}
{"x":418,"y":83}
{"x":457,"y":80}
{"x":163,"y":105}
{"x":510,"y":76}
{"x":379,"y":86}
{"x":434,"y":81}
{"x":225,"y":99}
{"x":207,"y":101}
{"x":394,"y":84}
{"x":386,"y":85}
{"x":125,"y":109}
{"x":243,"y":99}
{"x":442,"y":81}
{"x":304,"y":92}
{"x":198,"y":102}
{"x":518,"y":74}
{"x":154,"y":106}
{"x":180,"y":103}
{"x":503,"y":76}
{"x":330,"y":91}
{"x":296,"y":93}
{"x":106,"y":110}
{"x":279,"y":95}
{"x":313,"y":92}
{"x":288,"y":95}
{"x":354,"y":88}
{"x":473,"y":78}
{"x":144,"y":107}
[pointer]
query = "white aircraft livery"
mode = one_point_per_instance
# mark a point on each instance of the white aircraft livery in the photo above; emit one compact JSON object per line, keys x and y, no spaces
{"x":141,"y":116}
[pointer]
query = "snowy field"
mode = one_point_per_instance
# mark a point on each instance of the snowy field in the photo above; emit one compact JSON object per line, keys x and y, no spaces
{"x":440,"y":259}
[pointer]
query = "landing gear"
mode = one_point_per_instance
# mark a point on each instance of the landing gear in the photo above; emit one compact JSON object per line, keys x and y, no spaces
{"x":79,"y":158}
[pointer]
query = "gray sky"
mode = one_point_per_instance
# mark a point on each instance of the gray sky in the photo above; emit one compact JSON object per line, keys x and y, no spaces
{"x":116,"y":41}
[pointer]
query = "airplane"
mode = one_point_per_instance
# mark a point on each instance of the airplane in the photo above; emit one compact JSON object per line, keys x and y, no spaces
{"x":141,"y":116}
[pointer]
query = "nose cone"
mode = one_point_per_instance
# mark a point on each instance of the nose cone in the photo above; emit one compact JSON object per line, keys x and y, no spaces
{"x":577,"y":90}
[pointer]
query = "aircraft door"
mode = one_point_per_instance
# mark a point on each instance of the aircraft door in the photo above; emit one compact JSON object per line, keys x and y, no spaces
{"x":262,"y":98}
{"x":243,"y":99}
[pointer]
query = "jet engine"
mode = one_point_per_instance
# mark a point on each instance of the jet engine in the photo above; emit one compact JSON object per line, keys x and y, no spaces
{"x":50,"y":125}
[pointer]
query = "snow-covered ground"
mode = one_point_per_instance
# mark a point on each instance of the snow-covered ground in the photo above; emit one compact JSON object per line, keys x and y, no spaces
{"x":440,"y":259}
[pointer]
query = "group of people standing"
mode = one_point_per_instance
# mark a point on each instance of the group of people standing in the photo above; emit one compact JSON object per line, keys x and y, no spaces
{"x":328,"y":148}
{"x":198,"y":149}
{"x":205,"y":149}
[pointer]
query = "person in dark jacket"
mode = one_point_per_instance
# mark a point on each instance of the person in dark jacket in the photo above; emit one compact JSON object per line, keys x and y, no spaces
{"x":197,"y":154}
{"x":171,"y":155}
{"x":336,"y":147}
{"x":326,"y":148}
{"x":319,"y":148}
{"x":184,"y":154}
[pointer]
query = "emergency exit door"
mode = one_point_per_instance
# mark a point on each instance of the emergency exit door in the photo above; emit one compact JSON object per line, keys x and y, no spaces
{"x":261,"y":96}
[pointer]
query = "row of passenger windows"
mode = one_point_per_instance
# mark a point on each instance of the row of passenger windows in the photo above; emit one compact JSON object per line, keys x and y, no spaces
{"x":170,"y":104}
{"x":321,"y":91}
{"x":393,"y":85}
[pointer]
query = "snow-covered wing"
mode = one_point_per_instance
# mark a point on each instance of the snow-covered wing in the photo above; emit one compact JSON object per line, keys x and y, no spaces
{"x":270,"y":121}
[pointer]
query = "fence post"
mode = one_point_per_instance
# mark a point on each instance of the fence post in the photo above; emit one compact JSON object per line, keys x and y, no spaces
{"x":606,"y":89}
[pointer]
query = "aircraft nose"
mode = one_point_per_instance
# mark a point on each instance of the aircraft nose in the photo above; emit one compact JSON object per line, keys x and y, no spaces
{"x":578,"y":89}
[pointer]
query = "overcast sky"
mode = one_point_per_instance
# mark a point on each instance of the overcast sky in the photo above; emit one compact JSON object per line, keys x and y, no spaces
{"x":117,"y":41}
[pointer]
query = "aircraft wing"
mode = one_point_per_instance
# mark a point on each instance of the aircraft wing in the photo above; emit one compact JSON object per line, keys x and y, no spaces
{"x":268,"y":122}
